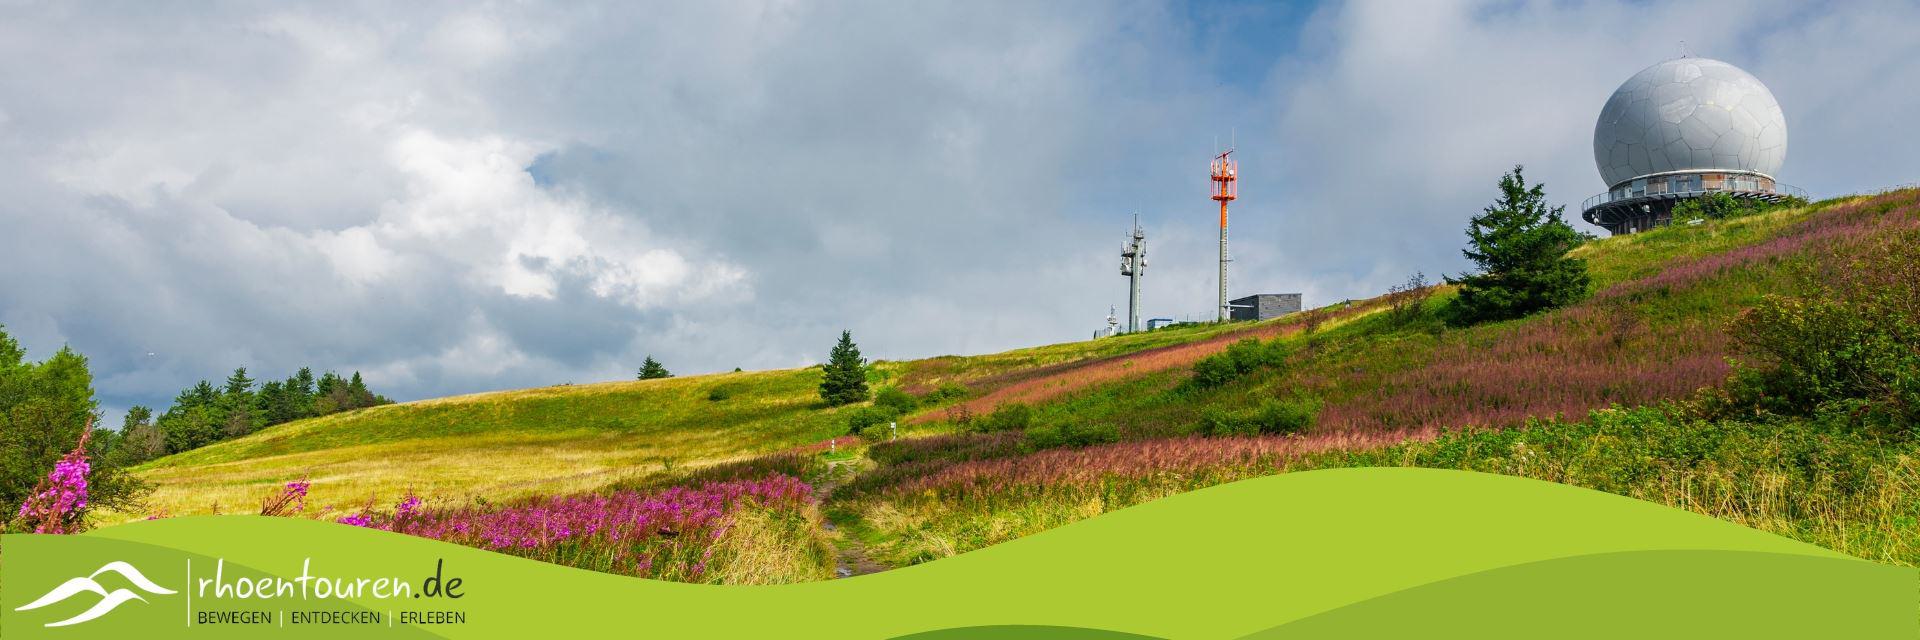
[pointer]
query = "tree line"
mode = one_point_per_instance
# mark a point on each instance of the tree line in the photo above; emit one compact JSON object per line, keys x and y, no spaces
{"x":204,"y":414}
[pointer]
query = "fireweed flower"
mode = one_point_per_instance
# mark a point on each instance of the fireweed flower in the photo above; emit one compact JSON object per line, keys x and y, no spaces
{"x":59,"y":503}
{"x":672,"y":530}
{"x":292,"y":499}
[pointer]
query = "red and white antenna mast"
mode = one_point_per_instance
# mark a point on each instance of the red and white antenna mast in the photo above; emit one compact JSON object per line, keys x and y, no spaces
{"x":1226,"y":173}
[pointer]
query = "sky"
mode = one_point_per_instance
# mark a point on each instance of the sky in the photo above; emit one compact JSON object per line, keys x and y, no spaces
{"x":457,"y":197}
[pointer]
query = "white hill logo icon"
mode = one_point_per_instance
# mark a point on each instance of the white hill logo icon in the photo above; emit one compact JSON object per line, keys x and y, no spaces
{"x":108,"y":599}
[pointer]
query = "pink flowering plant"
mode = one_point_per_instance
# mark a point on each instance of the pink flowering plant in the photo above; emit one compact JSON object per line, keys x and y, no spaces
{"x":59,"y":503}
{"x":292,"y":499}
{"x":671,"y":533}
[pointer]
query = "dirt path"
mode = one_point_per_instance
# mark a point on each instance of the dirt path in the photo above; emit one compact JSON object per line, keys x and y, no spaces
{"x":849,"y":553}
{"x":1049,"y":382}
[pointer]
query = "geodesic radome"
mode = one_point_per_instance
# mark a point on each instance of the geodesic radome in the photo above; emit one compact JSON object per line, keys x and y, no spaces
{"x":1689,"y":114}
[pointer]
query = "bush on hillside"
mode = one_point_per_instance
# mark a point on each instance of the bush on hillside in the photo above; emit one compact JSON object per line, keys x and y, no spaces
{"x":1520,"y":246}
{"x":946,"y":391}
{"x":1012,"y":416}
{"x":1720,"y":205}
{"x":1070,"y":434}
{"x":879,"y":432}
{"x":720,"y":393}
{"x":893,"y":398}
{"x":864,"y":417}
{"x":1406,"y":300}
{"x":1850,"y":344}
{"x":1272,"y":417}
{"x":1239,"y":359}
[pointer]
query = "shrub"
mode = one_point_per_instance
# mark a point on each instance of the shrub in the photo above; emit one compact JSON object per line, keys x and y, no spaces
{"x":1272,"y":417}
{"x":1851,"y":343}
{"x":1070,"y":434}
{"x":1007,"y":417}
{"x":877,"y":432}
{"x":946,"y":391}
{"x":865,"y":417}
{"x":1405,"y":300}
{"x":893,"y":398}
{"x":960,"y":416}
{"x":1240,"y":358}
{"x":1718,"y":205}
{"x":720,"y":393}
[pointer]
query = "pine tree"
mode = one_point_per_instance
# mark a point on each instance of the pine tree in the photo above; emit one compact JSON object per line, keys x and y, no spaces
{"x":653,"y":370}
{"x":237,"y":405}
{"x":300,"y":394}
{"x":358,"y":396}
{"x":239,"y":383}
{"x":1521,"y":248}
{"x":845,"y":381}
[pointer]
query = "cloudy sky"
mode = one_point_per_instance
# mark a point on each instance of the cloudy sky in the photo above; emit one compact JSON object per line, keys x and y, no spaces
{"x":455,"y":198}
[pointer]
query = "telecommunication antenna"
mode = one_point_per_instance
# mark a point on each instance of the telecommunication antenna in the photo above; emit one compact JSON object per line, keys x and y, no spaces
{"x":1226,"y":173}
{"x":1133,"y":264}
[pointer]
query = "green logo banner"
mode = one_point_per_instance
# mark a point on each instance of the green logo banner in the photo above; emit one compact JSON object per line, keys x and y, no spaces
{"x":1339,"y":553}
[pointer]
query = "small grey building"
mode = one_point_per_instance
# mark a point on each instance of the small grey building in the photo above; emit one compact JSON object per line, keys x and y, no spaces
{"x":1265,"y":306}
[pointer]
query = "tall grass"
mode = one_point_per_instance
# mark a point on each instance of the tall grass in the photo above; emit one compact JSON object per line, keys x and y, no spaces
{"x":1813,"y":481}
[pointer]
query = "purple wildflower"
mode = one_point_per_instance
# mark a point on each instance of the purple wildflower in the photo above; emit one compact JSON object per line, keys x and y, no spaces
{"x":59,"y":503}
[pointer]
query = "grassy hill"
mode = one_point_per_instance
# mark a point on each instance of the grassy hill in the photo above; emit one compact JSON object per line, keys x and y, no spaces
{"x":1599,"y":394}
{"x":513,"y":444}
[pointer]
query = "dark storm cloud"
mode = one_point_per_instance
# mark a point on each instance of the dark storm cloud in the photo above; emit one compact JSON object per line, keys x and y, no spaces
{"x":458,"y":199}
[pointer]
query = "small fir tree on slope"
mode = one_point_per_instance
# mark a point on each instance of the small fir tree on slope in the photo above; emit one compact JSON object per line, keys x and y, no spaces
{"x":846,"y":374}
{"x":1520,"y":246}
{"x":653,"y":370}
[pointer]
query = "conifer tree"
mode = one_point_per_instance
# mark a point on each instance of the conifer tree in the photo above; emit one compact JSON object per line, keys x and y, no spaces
{"x":846,"y":374}
{"x":1520,"y":246}
{"x":653,"y":370}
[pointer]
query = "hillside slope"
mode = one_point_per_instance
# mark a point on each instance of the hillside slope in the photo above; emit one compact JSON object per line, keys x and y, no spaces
{"x":510,"y":444}
{"x":1549,"y":396}
{"x":1114,"y":422}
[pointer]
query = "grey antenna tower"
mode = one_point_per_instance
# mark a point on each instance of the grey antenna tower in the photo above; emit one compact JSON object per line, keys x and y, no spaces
{"x":1133,"y":264}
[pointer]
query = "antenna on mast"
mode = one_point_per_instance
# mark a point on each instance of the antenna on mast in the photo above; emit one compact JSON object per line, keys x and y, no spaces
{"x":1133,"y":264}
{"x":1225,"y":176}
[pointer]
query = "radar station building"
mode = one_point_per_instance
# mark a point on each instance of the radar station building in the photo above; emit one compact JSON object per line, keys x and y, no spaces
{"x":1265,"y":306}
{"x":1682,"y":129}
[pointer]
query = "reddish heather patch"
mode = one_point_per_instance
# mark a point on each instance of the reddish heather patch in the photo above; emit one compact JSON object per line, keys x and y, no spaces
{"x":1044,"y":383}
{"x":1597,"y":353}
{"x":1135,"y":459}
